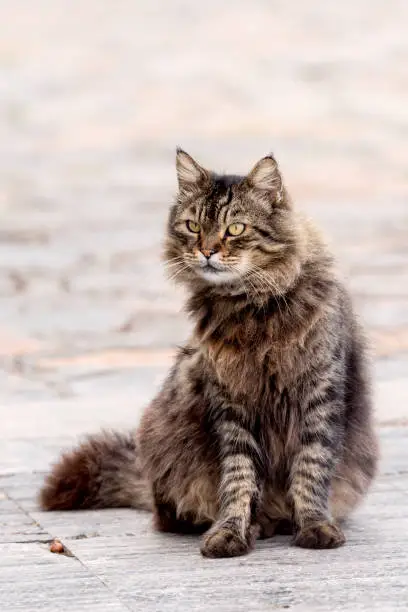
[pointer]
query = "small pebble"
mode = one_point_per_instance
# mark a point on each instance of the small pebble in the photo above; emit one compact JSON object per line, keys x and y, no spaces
{"x":57,"y":547}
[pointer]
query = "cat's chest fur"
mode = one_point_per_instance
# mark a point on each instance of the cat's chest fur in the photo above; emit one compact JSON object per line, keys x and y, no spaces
{"x":249,"y":357}
{"x":250,"y":377}
{"x":259,"y":379}
{"x":258,"y":352}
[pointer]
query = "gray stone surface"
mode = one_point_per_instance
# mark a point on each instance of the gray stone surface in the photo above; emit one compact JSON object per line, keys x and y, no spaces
{"x":94,"y":97}
{"x":116,"y":562}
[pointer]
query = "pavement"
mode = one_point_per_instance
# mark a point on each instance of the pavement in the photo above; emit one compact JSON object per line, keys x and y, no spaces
{"x":94,"y":99}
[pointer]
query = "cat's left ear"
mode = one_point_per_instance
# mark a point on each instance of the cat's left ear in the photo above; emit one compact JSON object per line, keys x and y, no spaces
{"x":265,"y":176}
{"x":190,"y":174}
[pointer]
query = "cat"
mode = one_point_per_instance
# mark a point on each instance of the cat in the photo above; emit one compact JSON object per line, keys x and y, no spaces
{"x":264,"y":423}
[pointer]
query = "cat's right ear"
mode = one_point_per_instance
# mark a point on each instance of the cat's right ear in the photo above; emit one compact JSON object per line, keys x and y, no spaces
{"x":190,"y":174}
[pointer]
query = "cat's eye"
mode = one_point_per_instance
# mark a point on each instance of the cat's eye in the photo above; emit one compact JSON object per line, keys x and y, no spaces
{"x":194,"y":227}
{"x":235,"y":229}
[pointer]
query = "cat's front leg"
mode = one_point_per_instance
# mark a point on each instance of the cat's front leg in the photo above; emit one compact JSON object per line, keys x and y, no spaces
{"x":235,"y":530}
{"x":312,"y":472}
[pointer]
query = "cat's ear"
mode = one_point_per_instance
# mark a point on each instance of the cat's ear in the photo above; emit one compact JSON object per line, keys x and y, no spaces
{"x":190,"y":174}
{"x":265,"y":176}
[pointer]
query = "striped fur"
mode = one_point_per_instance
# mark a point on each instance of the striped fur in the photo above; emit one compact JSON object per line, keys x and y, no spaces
{"x":264,"y":423}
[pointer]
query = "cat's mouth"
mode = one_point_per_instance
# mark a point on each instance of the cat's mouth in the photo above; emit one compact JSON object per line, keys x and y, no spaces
{"x":217,"y":275}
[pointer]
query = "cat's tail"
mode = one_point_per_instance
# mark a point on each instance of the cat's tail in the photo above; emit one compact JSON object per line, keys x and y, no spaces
{"x":102,"y":472}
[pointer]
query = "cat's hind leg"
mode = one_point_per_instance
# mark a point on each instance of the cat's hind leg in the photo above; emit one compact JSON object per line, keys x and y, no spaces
{"x":168,"y":519}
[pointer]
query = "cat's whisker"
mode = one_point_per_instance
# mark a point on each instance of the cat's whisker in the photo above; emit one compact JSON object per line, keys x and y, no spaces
{"x":171,"y":278}
{"x":243,"y":278}
{"x":174,"y":264}
{"x":268,"y":285}
{"x":175,"y":268}
{"x":179,"y":258}
{"x":179,"y":266}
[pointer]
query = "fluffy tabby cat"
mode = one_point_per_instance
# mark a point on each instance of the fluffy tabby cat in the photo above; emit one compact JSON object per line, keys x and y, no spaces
{"x":264,"y":423}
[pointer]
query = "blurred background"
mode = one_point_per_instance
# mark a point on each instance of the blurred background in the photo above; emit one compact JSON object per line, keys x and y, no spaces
{"x":95,"y":96}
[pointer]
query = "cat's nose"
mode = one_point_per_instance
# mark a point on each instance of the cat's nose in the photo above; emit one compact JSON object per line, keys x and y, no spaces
{"x":208,"y":252}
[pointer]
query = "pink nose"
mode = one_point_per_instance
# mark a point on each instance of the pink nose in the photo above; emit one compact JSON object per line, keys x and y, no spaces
{"x":208,"y":252}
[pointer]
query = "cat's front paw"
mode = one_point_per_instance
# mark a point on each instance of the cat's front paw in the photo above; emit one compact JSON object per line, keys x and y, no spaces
{"x":320,"y":535}
{"x":225,"y":540}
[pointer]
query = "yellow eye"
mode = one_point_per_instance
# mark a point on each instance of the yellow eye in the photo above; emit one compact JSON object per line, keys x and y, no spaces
{"x":235,"y":229}
{"x":192,"y":226}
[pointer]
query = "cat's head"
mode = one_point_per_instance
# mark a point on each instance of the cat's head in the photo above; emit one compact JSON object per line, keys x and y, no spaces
{"x":232,"y":233}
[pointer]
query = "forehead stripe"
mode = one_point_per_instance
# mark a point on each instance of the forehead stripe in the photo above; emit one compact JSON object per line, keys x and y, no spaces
{"x":225,"y":204}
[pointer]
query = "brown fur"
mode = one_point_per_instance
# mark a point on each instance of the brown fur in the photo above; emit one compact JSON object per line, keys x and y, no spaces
{"x":104,"y":470}
{"x":264,"y":422}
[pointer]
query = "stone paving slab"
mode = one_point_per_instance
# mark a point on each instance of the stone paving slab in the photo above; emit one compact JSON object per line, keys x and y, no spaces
{"x":34,"y":579}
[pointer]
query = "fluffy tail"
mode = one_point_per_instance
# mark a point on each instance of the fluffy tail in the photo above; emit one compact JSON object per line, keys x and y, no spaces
{"x":103,"y":472}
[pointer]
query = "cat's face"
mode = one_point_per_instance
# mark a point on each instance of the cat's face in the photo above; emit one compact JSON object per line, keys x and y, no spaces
{"x":230,"y":232}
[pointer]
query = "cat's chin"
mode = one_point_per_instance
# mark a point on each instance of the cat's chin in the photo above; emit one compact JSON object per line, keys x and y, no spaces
{"x":218,"y":277}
